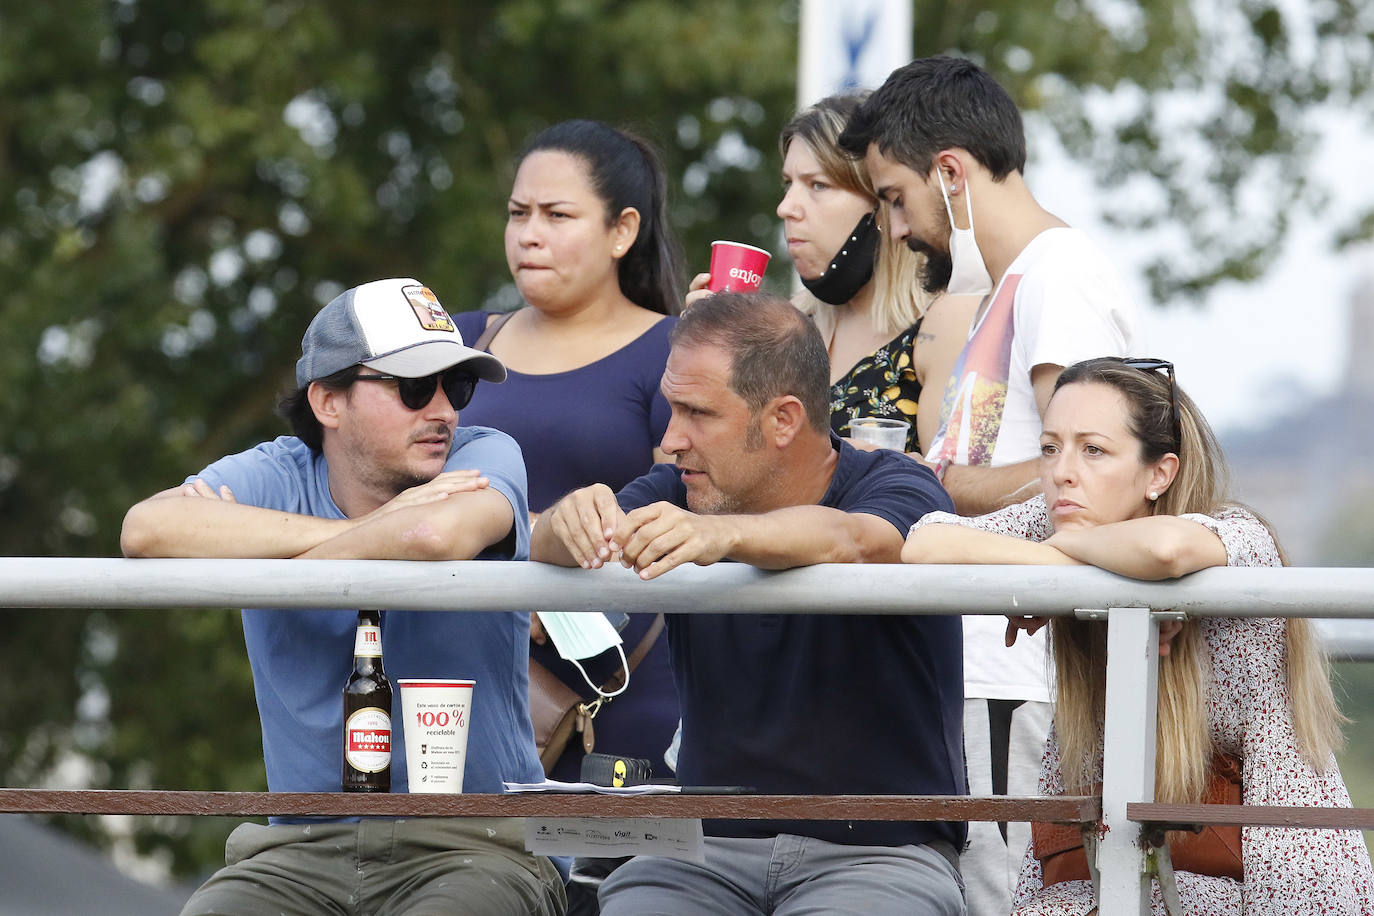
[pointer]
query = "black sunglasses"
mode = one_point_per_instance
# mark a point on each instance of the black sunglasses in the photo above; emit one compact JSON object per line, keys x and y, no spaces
{"x":1154,"y":365}
{"x":417,"y":392}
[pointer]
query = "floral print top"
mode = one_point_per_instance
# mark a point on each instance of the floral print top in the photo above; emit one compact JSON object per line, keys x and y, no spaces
{"x":882,"y":384}
{"x":1287,"y":871}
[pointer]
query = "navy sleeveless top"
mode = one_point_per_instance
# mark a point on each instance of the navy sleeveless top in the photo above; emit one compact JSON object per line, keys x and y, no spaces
{"x":596,"y":424}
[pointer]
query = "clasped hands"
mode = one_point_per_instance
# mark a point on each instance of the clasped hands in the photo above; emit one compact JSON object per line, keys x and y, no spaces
{"x":1168,"y":629}
{"x":651,"y":540}
{"x":1016,"y":624}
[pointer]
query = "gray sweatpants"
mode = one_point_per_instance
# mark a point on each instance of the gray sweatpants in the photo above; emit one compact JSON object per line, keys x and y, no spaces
{"x":788,"y":876}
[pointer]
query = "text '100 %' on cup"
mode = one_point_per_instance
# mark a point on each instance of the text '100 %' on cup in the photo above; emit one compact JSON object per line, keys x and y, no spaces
{"x":436,"y":713}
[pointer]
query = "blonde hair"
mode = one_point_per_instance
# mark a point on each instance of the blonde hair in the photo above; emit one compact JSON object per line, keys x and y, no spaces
{"x":1183,"y":749}
{"x":898,"y":299}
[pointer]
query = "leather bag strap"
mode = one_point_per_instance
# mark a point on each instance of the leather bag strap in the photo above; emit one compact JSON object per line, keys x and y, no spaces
{"x":642,"y":649}
{"x":493,"y":327}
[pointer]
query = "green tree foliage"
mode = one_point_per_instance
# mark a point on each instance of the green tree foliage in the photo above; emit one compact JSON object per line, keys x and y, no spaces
{"x":1195,"y":117}
{"x":183,"y":184}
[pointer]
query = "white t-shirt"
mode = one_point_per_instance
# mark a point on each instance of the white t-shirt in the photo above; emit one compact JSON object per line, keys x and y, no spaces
{"x":1060,"y":301}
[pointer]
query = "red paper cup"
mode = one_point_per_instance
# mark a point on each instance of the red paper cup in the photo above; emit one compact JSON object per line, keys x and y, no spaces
{"x":737,"y":267}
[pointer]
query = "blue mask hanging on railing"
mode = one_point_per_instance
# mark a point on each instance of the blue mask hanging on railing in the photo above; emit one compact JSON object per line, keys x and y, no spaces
{"x":852,"y":268}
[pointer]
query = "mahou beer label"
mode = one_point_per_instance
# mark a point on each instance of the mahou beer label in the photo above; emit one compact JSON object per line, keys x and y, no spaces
{"x":368,"y":747}
{"x":368,"y":642}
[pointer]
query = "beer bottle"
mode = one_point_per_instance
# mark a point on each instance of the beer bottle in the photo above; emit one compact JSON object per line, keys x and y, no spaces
{"x":367,"y":712}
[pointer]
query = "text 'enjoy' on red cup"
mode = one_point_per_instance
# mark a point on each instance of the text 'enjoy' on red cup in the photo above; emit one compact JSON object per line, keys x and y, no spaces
{"x":737,"y":267}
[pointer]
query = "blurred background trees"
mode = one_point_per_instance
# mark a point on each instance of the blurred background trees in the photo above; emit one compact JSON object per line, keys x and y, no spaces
{"x":183,"y":184}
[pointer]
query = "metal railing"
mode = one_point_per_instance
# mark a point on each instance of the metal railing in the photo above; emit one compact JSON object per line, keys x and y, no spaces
{"x":1128,"y":777}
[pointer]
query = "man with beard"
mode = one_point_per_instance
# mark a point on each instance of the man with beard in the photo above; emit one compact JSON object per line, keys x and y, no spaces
{"x":945,"y":147}
{"x":377,"y":469}
{"x":824,"y":704}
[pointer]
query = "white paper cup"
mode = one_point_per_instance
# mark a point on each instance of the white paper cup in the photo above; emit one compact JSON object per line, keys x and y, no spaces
{"x":436,"y":712}
{"x":880,"y":431}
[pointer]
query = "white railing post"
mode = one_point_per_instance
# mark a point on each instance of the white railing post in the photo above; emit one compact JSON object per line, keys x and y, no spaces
{"x":1128,"y":765}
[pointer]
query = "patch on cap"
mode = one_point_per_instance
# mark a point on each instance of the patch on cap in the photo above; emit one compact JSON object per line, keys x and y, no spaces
{"x":428,"y":311}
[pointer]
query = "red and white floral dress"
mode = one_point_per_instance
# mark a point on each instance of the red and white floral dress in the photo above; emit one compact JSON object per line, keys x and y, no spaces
{"x":1287,"y":871}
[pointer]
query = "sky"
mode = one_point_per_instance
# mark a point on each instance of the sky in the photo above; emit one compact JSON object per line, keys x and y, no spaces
{"x":1251,"y":351}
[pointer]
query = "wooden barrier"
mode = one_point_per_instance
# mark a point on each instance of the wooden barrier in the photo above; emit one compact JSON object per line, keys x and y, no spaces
{"x":1065,"y":809}
{"x":1057,"y":809}
{"x":1251,"y":815}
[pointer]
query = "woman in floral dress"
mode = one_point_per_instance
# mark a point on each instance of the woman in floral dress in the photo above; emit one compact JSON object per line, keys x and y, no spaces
{"x":1134,"y":482}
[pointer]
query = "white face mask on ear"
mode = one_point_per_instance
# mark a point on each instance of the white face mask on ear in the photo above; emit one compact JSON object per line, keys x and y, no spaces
{"x":970,"y":275}
{"x":583,"y":635}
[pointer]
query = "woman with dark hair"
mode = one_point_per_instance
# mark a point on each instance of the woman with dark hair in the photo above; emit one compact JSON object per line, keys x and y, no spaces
{"x":589,"y":248}
{"x":1135,"y":483}
{"x":591,"y":252}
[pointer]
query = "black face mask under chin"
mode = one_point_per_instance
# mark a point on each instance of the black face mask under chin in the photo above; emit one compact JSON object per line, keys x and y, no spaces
{"x":852,"y":268}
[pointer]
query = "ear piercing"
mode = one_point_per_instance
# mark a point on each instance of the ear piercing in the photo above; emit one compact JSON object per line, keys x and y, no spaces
{"x":1153,"y":496}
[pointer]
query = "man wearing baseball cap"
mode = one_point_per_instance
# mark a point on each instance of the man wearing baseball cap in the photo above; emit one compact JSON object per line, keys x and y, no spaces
{"x":377,"y":468}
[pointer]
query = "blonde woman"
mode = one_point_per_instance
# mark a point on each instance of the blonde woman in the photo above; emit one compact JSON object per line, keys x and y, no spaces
{"x":1134,"y":482}
{"x":891,"y":343}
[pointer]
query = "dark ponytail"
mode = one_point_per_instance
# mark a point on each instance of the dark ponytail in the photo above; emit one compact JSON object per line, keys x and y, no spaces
{"x":626,"y":171}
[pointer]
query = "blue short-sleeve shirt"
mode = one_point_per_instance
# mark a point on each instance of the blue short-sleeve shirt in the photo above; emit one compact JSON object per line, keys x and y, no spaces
{"x":301,"y":659}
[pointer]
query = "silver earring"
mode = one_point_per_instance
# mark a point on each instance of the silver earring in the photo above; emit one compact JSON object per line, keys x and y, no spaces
{"x":1153,"y":496}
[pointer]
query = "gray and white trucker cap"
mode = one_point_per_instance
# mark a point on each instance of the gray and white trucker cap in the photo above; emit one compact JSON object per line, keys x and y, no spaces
{"x":394,"y":326}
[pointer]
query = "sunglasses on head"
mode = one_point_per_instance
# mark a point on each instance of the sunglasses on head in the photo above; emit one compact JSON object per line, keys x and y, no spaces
{"x":1154,"y":365}
{"x":417,"y":392}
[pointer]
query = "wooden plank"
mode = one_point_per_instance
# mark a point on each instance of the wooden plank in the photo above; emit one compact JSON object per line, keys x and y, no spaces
{"x":1253,"y":815}
{"x":1057,"y":809}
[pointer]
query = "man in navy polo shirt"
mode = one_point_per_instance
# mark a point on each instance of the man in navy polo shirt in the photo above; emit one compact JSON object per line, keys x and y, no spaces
{"x":804,"y":704}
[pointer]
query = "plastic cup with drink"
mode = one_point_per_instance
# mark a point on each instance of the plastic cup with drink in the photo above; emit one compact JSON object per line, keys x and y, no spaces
{"x":880,"y":431}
